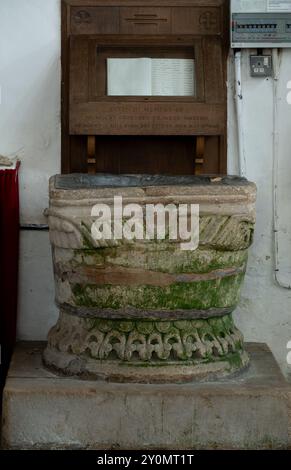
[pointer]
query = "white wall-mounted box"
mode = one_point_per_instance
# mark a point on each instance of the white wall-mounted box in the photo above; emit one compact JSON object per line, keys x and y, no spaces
{"x":260,"y":23}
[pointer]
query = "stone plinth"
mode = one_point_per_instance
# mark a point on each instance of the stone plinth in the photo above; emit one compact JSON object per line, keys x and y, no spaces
{"x":43,"y":410}
{"x":145,"y":310}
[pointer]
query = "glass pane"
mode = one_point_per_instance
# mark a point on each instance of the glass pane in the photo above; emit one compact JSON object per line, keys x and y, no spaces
{"x":150,"y":77}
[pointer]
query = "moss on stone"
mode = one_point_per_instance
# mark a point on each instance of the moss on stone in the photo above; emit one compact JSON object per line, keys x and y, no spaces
{"x":216,"y":334}
{"x":217,"y":293}
{"x":169,"y":259}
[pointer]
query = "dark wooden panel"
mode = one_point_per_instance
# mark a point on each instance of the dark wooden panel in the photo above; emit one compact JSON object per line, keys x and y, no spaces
{"x":153,"y":3}
{"x":97,"y":72}
{"x":140,"y":118}
{"x":215,"y":88}
{"x":223,"y":153}
{"x":206,"y":21}
{"x":143,"y":20}
{"x":132,"y":154}
{"x":98,"y":20}
{"x":79,"y":67}
{"x":212,"y":156}
{"x":144,"y":134}
{"x":153,"y":155}
{"x":78,"y":157}
{"x":99,"y":56}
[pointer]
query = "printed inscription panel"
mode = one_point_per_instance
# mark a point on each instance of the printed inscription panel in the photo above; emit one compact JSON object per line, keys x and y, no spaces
{"x":147,"y":119}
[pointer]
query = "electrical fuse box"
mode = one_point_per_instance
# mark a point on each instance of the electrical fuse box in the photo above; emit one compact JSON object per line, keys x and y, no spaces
{"x":260,"y":23}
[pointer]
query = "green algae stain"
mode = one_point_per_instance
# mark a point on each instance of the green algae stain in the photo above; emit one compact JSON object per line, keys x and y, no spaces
{"x":210,"y":332}
{"x":168,"y":259}
{"x":218,"y":293}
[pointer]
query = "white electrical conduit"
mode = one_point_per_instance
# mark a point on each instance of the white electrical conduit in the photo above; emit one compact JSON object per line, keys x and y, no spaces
{"x":239,"y":113}
{"x":285,"y":283}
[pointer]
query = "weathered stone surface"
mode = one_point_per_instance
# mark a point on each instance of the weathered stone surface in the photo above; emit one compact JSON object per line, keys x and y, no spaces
{"x":149,"y":277}
{"x":227,"y":209}
{"x":148,"y":280}
{"x":42,"y":410}
{"x":143,"y":351}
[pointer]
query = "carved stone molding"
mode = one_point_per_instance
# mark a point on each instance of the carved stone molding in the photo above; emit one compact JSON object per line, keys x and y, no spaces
{"x":196,"y":343}
{"x":221,"y":232}
{"x":142,"y":340}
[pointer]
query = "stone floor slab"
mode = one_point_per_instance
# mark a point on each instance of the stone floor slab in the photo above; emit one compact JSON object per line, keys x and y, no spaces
{"x":44,"y":411}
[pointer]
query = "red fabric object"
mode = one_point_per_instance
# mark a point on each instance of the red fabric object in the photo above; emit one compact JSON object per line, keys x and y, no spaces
{"x":9,"y":256}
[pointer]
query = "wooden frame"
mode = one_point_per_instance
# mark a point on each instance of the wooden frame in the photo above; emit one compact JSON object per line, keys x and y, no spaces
{"x":99,"y":51}
{"x":95,"y":29}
